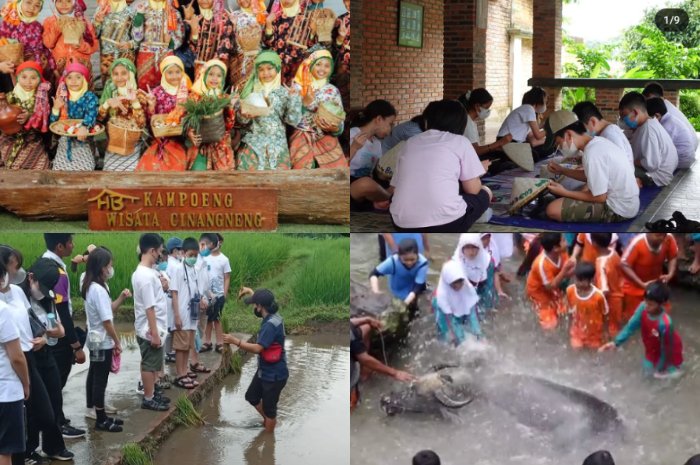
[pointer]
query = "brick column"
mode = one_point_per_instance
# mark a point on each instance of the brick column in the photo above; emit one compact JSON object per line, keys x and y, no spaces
{"x":464,"y":64}
{"x":546,"y":46}
{"x":608,"y":102}
{"x":673,"y":96}
{"x":357,"y":39}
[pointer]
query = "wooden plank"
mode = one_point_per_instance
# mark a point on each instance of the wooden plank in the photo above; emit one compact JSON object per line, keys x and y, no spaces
{"x":193,"y":209}
{"x":305,"y":196}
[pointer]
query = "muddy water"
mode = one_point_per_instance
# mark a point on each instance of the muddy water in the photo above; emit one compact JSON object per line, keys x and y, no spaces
{"x":660,"y":416}
{"x":313,"y":416}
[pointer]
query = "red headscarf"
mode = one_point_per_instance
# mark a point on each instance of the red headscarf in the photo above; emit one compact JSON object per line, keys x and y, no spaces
{"x":30,"y":65}
{"x":76,"y":67}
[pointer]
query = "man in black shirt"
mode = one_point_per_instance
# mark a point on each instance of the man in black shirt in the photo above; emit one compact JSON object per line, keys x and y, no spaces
{"x":360,"y":357}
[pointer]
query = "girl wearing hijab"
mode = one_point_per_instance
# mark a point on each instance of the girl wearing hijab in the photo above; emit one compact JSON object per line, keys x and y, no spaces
{"x":119,"y":101}
{"x":68,"y":49}
{"x":277,"y":36}
{"x":248,"y":20}
{"x":26,"y":150}
{"x":211,"y":34}
{"x":475,"y":262}
{"x":113,"y":22}
{"x":454,"y":303}
{"x":264,"y":144}
{"x":20,"y":21}
{"x":168,"y":153}
{"x":314,"y":143}
{"x":74,"y":101}
{"x":215,"y":155}
{"x":158,"y":30}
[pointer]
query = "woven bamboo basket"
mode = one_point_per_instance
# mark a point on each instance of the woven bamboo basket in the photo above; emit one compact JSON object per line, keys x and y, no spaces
{"x":73,"y":30}
{"x":325,"y":20}
{"x":249,"y":38}
{"x":13,"y":53}
{"x":253,"y":110}
{"x":122,"y":137}
{"x":162,"y":129}
{"x":212,"y":128}
{"x":329,"y":116}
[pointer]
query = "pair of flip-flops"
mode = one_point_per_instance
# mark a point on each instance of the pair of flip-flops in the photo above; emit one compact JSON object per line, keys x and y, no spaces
{"x":677,"y":224}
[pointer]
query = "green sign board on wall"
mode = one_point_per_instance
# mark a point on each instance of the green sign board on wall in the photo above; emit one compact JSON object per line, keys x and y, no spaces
{"x":410,"y":25}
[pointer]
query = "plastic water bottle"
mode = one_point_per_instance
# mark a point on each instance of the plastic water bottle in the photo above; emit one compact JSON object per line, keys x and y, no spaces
{"x":52,"y":341}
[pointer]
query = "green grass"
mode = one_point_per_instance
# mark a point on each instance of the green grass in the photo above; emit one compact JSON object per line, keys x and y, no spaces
{"x":309,"y":273}
{"x":235,"y":363}
{"x":186,"y":414}
{"x":134,"y":455}
{"x":10,"y":222}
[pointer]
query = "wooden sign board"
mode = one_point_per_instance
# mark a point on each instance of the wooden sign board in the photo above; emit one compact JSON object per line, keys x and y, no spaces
{"x":182,"y":209}
{"x":410,"y":25}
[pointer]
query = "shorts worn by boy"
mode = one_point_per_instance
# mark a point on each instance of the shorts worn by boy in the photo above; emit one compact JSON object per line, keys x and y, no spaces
{"x":588,"y":314}
{"x":548,"y":303}
{"x":648,"y":265}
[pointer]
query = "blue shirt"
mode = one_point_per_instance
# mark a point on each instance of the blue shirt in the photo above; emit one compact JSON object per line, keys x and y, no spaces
{"x":271,"y":331}
{"x":401,"y":132}
{"x":403,"y":279}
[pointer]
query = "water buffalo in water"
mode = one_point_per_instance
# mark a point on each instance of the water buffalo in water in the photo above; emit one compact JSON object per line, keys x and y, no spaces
{"x":535,"y":402}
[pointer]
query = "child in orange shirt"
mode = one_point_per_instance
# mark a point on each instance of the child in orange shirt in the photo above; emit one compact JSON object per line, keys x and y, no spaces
{"x":588,"y":306}
{"x":585,"y":250}
{"x":548,"y":270}
{"x":608,"y":278}
{"x":643,"y":263}
{"x":69,"y":36}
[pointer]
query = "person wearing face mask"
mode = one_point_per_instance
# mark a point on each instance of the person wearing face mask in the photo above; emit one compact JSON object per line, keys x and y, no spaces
{"x":69,"y":349}
{"x":407,"y":271}
{"x":174,"y":249}
{"x":188,"y":300}
{"x":686,"y":142}
{"x":478,"y":104}
{"x":99,"y":311}
{"x":655,"y":156}
{"x":45,"y":400}
{"x":272,"y":374}
{"x":14,"y":381}
{"x":218,"y":269}
{"x":596,"y":125}
{"x":150,"y":319}
{"x":612,"y":193}
{"x":522,"y":123}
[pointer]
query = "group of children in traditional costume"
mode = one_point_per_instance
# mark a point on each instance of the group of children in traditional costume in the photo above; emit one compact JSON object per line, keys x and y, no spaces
{"x":150,"y":52}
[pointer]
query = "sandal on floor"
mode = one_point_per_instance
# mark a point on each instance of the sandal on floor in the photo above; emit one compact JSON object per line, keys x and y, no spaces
{"x":192,"y":375}
{"x":109,"y":426}
{"x":184,"y":382}
{"x":661,"y":226}
{"x":206,"y":347}
{"x":199,"y":368}
{"x":116,"y":421}
{"x":219,"y":348}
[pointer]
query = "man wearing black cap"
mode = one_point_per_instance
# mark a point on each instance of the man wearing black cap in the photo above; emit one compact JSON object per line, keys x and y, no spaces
{"x":271,"y":377}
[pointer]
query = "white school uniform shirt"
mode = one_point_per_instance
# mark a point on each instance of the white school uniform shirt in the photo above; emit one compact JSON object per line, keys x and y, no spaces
{"x":472,"y":131}
{"x":652,"y":145}
{"x":170,"y":271}
{"x":10,"y":385}
{"x":98,"y":309}
{"x":673,"y":110}
{"x":18,"y":306}
{"x":148,"y":292}
{"x":186,"y":282}
{"x":684,"y":140}
{"x":607,"y":170}
{"x":59,"y":260}
{"x":217,"y":266}
{"x":517,"y":123}
{"x":615,"y":135}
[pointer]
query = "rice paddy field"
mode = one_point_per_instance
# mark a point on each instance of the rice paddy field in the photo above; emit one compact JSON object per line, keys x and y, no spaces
{"x":308,"y":273}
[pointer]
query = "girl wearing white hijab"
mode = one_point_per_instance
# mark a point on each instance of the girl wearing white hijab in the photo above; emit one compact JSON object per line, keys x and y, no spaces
{"x":494,"y":288}
{"x":454,"y":303}
{"x":475,"y":262}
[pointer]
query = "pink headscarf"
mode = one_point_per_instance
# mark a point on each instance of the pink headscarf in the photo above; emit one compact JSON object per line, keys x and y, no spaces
{"x":76,"y":67}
